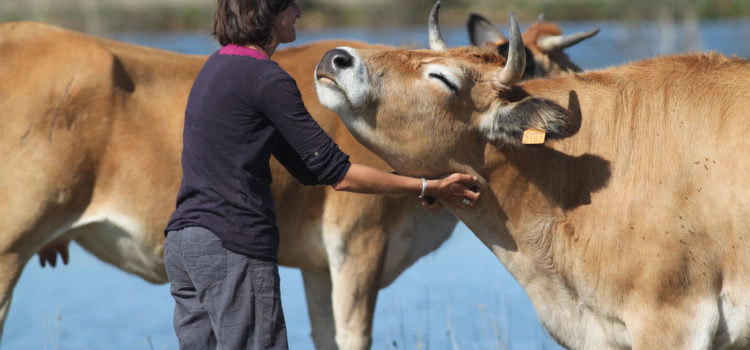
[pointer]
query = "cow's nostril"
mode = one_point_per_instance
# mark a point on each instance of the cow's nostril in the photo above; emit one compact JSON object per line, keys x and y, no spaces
{"x":336,"y":60}
{"x":342,"y":60}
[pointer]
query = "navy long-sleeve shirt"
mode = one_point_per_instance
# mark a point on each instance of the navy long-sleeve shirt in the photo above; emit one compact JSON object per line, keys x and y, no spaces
{"x":240,"y":110}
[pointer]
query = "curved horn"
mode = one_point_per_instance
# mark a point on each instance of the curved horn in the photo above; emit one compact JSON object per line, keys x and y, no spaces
{"x":514,"y":67}
{"x":560,"y":42}
{"x":436,"y":39}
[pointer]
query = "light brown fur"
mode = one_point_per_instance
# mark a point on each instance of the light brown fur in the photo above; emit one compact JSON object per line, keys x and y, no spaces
{"x":92,"y":131}
{"x":91,"y":138}
{"x":631,"y":233}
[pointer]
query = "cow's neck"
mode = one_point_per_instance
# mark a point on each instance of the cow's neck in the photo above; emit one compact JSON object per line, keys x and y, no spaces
{"x":529,"y":230}
{"x":533,"y":195}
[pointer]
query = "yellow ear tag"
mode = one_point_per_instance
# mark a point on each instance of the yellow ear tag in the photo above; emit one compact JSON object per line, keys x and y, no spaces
{"x":533,"y":137}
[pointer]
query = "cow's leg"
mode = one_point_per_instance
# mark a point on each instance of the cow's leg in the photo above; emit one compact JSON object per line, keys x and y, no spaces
{"x":21,"y":236}
{"x":11,"y":265}
{"x":36,"y":208}
{"x":318,"y":296}
{"x":355,"y":277}
{"x":24,"y":229}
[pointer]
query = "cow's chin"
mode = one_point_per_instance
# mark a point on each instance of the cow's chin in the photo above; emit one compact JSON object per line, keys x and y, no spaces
{"x":350,"y":106}
{"x":332,"y":97}
{"x":346,"y":88}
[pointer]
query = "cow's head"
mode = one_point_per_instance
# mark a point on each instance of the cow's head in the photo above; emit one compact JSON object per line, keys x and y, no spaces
{"x":544,"y":43}
{"x":418,"y":109}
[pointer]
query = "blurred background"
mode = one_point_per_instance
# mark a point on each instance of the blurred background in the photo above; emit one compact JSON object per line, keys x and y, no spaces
{"x":158,"y":15}
{"x":459,"y":297}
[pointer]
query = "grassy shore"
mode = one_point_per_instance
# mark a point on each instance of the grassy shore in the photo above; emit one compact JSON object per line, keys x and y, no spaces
{"x":105,"y":15}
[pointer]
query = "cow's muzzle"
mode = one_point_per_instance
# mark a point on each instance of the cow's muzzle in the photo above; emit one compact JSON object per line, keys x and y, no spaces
{"x":342,"y":81}
{"x":334,"y":61}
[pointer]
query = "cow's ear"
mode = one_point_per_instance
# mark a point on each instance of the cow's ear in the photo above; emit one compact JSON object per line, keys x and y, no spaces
{"x":482,"y":33}
{"x":508,"y":123}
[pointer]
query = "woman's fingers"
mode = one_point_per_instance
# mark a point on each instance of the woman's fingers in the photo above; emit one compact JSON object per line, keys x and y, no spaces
{"x":457,"y":199}
{"x":458,"y":190}
{"x":466,"y":179}
{"x":472,"y":195}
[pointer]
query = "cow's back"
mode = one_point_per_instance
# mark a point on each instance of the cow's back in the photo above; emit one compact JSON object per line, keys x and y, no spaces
{"x":673,"y":134}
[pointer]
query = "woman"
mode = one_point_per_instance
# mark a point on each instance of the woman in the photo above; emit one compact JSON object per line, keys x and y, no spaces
{"x":222,"y":239}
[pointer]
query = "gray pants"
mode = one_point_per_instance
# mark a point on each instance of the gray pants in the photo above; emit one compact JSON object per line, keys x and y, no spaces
{"x":223,"y":300}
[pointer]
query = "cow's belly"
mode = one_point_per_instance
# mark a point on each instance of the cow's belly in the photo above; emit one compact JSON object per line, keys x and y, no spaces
{"x":120,"y":240}
{"x":302,"y":246}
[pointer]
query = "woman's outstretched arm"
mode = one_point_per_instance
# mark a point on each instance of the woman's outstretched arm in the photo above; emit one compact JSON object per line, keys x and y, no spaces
{"x":454,"y":189}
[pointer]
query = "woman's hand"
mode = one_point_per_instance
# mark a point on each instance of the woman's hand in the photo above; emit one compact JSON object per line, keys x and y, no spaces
{"x":456,"y":190}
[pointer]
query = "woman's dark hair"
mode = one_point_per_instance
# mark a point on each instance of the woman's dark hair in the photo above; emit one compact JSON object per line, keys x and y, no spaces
{"x":246,"y":22}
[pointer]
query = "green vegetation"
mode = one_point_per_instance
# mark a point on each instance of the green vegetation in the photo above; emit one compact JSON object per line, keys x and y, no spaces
{"x":112,"y":16}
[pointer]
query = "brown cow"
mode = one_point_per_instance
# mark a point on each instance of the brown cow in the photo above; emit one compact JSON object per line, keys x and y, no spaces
{"x":91,"y":140}
{"x":92,"y":136}
{"x":543,"y":41}
{"x":631,"y":230}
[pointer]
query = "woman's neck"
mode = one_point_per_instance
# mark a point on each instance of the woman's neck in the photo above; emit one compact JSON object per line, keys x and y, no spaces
{"x":268,"y":50}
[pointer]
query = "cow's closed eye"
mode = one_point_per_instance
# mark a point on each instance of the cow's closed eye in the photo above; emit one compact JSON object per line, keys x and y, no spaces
{"x":449,"y":82}
{"x":453,"y":87}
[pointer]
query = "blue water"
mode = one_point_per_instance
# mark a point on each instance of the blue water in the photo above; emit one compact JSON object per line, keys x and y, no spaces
{"x":459,"y":297}
{"x":459,"y":294}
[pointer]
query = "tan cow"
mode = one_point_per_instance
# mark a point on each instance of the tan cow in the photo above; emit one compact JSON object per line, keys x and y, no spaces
{"x":91,"y":132}
{"x":90,"y":141}
{"x":630,"y":229}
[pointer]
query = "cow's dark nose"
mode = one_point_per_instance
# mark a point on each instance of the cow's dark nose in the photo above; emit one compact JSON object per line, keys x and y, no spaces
{"x":343,"y":59}
{"x":340,"y":58}
{"x":335,"y":60}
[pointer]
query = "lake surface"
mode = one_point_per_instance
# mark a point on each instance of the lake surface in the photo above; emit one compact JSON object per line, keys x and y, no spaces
{"x":459,"y":297}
